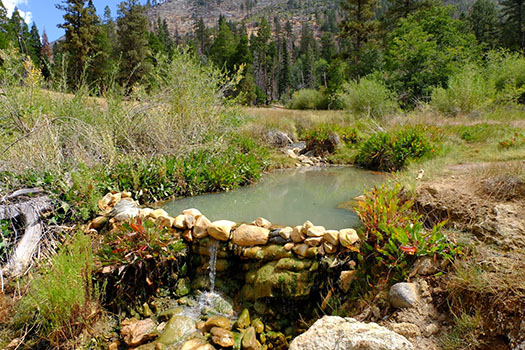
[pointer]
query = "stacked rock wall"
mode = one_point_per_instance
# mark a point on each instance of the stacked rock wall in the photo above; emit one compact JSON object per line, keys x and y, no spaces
{"x":267,"y":260}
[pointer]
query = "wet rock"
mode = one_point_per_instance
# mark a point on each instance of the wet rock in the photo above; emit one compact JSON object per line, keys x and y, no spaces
{"x":262,"y":222}
{"x":403,"y":294}
{"x":329,"y":248}
{"x":305,"y":251}
{"x":332,"y":237}
{"x":249,"y":235}
{"x":182,"y":287}
{"x":288,"y":246}
{"x":286,"y":232}
{"x":177,"y":328}
{"x":180,"y":222}
{"x":222,"y":337}
{"x":217,"y":321}
{"x":297,"y":234}
{"x":306,"y":226}
{"x":274,"y":252}
{"x":158,"y":212}
{"x":192,"y":211}
{"x":277,"y":240}
{"x":98,"y":223}
{"x":316,"y":231}
{"x":187,"y":235}
{"x":197,"y":344}
{"x":189,"y":221}
{"x":333,"y":332}
{"x":200,"y":227}
{"x":313,"y":241}
{"x":253,"y":253}
{"x":348,"y":237}
{"x":258,"y":325}
{"x":221,"y":229}
{"x":249,"y":340}
{"x":125,"y":209}
{"x":136,"y":332}
{"x":244,"y":319}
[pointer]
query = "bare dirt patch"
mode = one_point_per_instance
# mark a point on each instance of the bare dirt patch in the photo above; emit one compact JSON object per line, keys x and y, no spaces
{"x":485,"y":199}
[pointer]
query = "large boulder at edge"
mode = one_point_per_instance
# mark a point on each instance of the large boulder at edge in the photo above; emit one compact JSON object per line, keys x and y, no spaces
{"x":333,"y":332}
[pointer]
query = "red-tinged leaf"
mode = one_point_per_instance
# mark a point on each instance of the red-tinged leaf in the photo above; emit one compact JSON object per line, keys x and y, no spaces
{"x":408,"y":250}
{"x":148,"y":281}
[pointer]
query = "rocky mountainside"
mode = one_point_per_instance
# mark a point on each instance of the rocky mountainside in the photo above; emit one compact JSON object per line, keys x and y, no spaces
{"x":182,"y":15}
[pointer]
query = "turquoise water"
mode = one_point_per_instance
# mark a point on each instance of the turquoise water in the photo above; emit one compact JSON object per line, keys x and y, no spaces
{"x":288,"y":197}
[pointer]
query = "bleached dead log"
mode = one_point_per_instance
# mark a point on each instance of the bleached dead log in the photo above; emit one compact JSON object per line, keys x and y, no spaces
{"x":30,"y":211}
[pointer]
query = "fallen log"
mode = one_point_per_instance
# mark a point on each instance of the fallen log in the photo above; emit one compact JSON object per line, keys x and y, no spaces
{"x":29,"y":209}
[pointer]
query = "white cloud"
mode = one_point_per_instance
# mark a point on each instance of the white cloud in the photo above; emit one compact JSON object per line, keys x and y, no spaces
{"x":10,"y":7}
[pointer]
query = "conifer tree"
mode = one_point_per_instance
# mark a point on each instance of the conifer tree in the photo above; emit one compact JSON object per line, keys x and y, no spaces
{"x":19,"y":32}
{"x":514,"y":22}
{"x":484,"y":23}
{"x":359,"y":24}
{"x":35,"y":45}
{"x":45,"y":55}
{"x":80,"y":21}
{"x":285,"y":73}
{"x":223,"y":46}
{"x":202,"y":37}
{"x":133,"y":41}
{"x":4,"y":25}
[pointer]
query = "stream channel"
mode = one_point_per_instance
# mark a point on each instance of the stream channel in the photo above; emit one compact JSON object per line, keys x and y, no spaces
{"x":289,"y":197}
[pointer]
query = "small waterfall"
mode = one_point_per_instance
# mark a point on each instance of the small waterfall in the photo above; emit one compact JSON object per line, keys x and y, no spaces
{"x":214,"y":246}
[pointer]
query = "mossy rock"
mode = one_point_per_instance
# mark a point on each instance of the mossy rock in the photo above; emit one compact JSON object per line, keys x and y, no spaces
{"x":183,"y":287}
{"x":270,"y":282}
{"x":293,"y":264}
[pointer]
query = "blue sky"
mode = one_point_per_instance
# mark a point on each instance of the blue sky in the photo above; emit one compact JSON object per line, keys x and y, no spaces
{"x":47,"y":16}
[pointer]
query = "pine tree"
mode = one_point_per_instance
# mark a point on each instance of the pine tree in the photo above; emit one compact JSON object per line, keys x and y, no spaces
{"x":4,"y":27}
{"x":328,"y":46}
{"x":202,"y":37}
{"x":402,"y":8}
{"x":133,"y":41}
{"x":359,"y":25}
{"x":35,"y":45}
{"x":514,"y":22}
{"x":483,"y":20}
{"x":259,"y":44}
{"x":285,"y":73}
{"x":223,"y":46}
{"x":19,"y":32}
{"x":80,"y":24}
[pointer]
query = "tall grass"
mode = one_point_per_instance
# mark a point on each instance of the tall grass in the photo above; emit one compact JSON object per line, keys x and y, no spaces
{"x":62,"y":300}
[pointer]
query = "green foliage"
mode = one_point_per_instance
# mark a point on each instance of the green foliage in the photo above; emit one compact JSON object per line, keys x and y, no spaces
{"x":391,"y":151}
{"x":424,"y":50}
{"x":62,"y":300}
{"x":394,"y":235}
{"x":308,"y":99}
{"x":506,"y":73}
{"x":143,"y":258}
{"x":367,"y":97}
{"x":467,"y":91}
{"x":5,"y":233}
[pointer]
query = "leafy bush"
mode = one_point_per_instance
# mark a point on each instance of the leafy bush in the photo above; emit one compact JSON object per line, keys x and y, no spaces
{"x":143,"y":257}
{"x":393,"y":234}
{"x":367,"y":97}
{"x":308,"y":99}
{"x":63,"y":300}
{"x":506,"y":73}
{"x":467,"y":90}
{"x":390,"y":152}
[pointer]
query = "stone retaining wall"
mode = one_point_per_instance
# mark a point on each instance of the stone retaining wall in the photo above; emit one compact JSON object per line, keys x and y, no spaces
{"x":277,"y":261}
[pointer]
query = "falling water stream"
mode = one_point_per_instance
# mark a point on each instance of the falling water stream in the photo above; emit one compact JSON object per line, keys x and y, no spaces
{"x":213,"y":263}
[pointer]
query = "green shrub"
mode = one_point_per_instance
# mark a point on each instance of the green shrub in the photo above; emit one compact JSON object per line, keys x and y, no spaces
{"x":393,"y":234}
{"x":62,"y":300}
{"x":143,"y":256}
{"x":309,"y":99}
{"x":506,"y":73}
{"x":390,"y":152}
{"x":467,"y":91}
{"x":367,"y":97}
